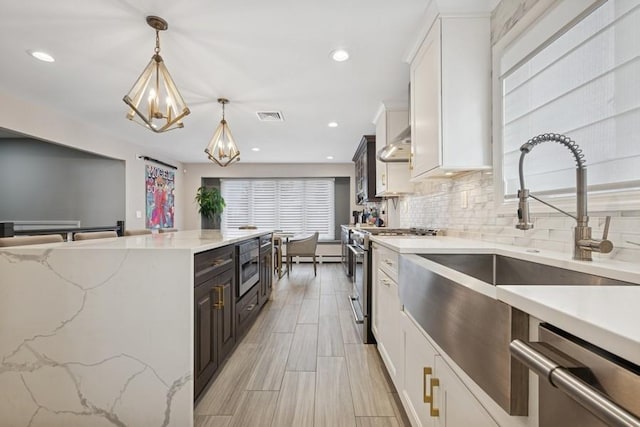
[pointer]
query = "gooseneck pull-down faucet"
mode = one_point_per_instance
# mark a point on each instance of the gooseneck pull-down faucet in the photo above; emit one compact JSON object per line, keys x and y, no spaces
{"x":583,"y":243}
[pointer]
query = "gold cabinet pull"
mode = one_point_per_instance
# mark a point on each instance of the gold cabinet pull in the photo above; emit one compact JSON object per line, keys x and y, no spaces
{"x":219,"y":305}
{"x":434,"y":382}
{"x":425,"y":397}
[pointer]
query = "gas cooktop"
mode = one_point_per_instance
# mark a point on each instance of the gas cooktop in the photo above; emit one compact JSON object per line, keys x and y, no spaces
{"x":414,"y":231}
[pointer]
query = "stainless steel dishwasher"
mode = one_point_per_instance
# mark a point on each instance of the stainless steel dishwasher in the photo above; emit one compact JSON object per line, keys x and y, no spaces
{"x":580,"y":384}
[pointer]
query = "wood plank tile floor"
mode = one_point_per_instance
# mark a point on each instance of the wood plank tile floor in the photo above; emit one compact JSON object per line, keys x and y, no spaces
{"x":302,"y":364}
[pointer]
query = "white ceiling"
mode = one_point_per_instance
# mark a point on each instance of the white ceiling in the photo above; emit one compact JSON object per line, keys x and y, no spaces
{"x":262,"y":55}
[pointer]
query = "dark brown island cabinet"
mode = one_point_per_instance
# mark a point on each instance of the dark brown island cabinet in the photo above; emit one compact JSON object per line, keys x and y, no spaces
{"x":365,"y":174}
{"x":214,"y":296}
{"x":222,"y":318}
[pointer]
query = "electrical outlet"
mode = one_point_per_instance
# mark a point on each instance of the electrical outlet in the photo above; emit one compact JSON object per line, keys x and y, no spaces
{"x":138,"y":214}
{"x":464,"y":199}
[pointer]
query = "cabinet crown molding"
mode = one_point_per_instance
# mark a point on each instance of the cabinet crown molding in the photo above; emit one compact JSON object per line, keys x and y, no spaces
{"x":389,"y":106}
{"x":447,"y":9}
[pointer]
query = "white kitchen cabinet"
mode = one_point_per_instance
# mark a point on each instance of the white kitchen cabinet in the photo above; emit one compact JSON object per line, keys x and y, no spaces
{"x":419,"y":358}
{"x":386,"y":314}
{"x":432,"y":393}
{"x":389,"y":309}
{"x":455,"y":404}
{"x":391,"y":178}
{"x":451,"y":98}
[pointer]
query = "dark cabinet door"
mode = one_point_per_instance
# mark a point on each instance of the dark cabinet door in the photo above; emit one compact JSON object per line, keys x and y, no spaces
{"x":206,"y":354}
{"x":365,"y":173}
{"x":266,"y":277}
{"x":225,"y":333}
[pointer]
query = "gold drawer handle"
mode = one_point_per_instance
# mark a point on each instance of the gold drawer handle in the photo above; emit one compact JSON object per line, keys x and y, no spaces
{"x":435,"y":382}
{"x":386,"y":282}
{"x":425,"y":397}
{"x":219,"y":305}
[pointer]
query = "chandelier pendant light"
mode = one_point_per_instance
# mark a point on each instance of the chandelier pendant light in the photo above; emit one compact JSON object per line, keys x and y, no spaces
{"x":222,"y":148}
{"x":154,"y":99}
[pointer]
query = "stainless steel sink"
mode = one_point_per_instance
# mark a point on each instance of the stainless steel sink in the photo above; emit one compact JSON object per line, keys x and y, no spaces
{"x":504,"y":270}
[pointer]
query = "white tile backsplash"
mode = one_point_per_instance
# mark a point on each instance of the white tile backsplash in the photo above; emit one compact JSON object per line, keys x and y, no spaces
{"x":438,"y":204}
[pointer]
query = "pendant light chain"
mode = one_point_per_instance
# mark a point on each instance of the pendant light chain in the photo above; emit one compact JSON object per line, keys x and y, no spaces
{"x":157,"y":49}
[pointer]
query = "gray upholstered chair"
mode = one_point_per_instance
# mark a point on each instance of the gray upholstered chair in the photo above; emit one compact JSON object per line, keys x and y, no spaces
{"x":94,"y":235}
{"x":30,"y":240}
{"x":302,"y":247}
{"x":137,"y":232}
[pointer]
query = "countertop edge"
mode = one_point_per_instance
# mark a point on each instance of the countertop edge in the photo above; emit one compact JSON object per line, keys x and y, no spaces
{"x":619,"y":270}
{"x":608,"y":339}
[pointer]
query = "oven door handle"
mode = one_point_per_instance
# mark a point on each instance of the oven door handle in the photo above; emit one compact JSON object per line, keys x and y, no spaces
{"x":356,"y":250}
{"x":353,"y":309}
{"x":561,"y":378}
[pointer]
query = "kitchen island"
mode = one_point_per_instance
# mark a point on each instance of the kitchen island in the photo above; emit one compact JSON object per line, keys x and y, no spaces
{"x":101,"y":332}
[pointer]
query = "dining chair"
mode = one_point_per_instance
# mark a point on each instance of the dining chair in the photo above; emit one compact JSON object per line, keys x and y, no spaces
{"x":137,"y":232}
{"x":302,"y":247}
{"x":30,"y":240}
{"x":90,"y":235}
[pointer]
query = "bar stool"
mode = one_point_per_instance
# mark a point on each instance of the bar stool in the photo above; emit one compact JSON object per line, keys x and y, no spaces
{"x":167,"y":230}
{"x":138,"y":232}
{"x":30,"y":240}
{"x":94,"y":235}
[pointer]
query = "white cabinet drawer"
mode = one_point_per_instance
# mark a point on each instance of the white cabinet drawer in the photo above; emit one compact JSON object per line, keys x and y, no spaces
{"x":388,"y":262}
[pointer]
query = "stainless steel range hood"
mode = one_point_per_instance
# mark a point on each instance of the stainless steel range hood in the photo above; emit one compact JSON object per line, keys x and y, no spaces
{"x":399,"y":150}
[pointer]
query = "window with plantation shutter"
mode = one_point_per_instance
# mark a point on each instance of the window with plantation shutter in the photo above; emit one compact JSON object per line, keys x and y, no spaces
{"x":583,"y":84}
{"x":301,"y":206}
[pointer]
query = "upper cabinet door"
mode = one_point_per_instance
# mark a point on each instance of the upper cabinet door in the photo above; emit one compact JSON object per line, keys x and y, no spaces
{"x":425,"y":105}
{"x":451,"y":98}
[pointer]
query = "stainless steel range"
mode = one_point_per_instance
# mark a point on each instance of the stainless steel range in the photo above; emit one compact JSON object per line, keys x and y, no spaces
{"x":360,"y":248}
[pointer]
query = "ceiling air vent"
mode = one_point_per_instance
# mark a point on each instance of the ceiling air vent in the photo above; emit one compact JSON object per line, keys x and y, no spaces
{"x":270,"y":116}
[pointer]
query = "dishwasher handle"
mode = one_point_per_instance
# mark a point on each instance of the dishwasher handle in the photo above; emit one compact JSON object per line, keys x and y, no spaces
{"x":591,"y":399}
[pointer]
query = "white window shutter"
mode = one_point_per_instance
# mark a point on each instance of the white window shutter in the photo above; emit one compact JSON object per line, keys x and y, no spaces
{"x":300,"y":206}
{"x":585,"y":85}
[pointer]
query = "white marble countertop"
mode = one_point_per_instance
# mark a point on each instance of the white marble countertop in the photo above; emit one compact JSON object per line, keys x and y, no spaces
{"x":193,"y":240}
{"x":606,"y":316}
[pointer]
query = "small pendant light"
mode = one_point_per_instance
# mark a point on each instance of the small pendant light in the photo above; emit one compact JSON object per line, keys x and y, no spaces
{"x":154,"y":99}
{"x":222,"y":149}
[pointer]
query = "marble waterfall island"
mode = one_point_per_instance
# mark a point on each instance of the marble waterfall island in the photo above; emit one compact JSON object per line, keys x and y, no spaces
{"x":100,"y":333}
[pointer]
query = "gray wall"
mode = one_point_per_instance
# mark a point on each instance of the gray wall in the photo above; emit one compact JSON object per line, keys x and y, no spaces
{"x":44,"y":181}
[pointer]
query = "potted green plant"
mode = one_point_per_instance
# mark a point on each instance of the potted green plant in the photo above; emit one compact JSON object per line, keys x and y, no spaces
{"x":210,"y":206}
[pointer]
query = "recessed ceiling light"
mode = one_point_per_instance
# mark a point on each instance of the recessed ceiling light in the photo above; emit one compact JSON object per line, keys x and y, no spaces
{"x":333,"y":124}
{"x":448,"y":173}
{"x":255,"y":149}
{"x":42,"y":56}
{"x":329,"y":157}
{"x":339,"y":55}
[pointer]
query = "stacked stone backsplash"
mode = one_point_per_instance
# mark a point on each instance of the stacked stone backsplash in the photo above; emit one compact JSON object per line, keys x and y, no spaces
{"x":439,"y":204}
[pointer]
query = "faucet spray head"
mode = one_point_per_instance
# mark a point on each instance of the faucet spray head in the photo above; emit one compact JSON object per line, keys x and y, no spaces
{"x":524,"y":219}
